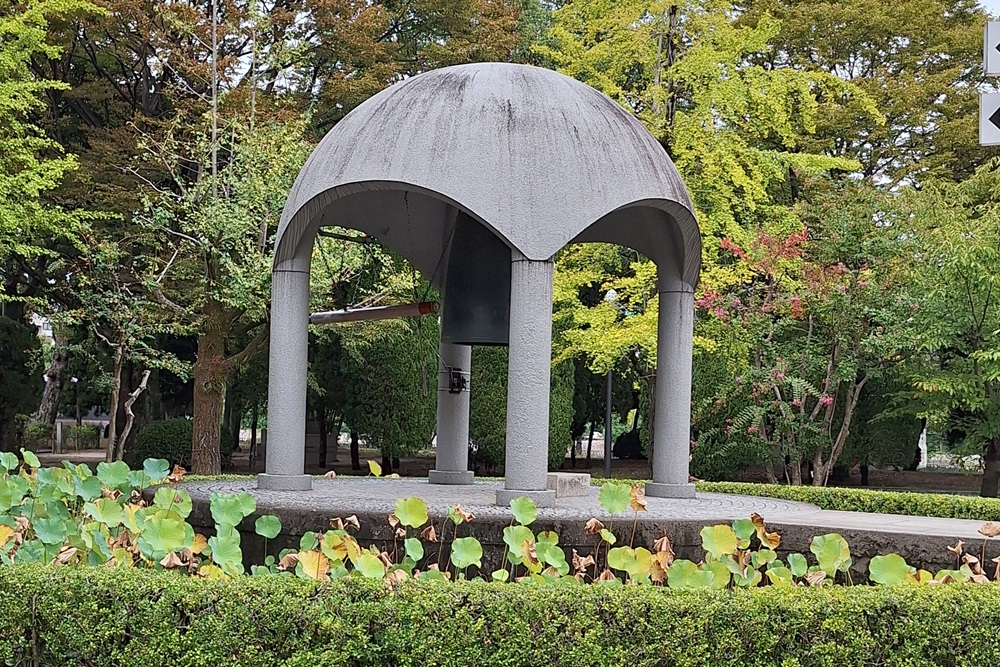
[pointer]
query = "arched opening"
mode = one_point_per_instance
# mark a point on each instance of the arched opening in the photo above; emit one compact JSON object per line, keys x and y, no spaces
{"x":454,"y":251}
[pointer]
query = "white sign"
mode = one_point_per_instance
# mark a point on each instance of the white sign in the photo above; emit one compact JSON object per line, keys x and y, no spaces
{"x":989,"y":119}
{"x":991,"y":48}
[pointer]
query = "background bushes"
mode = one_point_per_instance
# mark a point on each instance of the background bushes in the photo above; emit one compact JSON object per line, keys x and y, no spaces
{"x":109,"y":617}
{"x":488,"y":410}
{"x":944,"y":505}
{"x":170,"y":439}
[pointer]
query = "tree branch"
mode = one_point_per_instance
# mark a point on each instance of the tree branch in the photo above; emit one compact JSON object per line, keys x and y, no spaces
{"x":129,"y":415}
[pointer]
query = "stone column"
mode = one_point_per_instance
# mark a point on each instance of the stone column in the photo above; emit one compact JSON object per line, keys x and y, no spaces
{"x":672,"y":418}
{"x":286,"y":383}
{"x":452,"y":457}
{"x":527,"y":449}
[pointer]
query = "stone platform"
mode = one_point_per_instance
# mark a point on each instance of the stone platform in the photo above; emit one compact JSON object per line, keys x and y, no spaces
{"x":364,"y":495}
{"x":922,"y":541}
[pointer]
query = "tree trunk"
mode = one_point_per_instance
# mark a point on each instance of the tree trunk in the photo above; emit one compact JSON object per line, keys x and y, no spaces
{"x":254,"y":422}
{"x":769,"y":470}
{"x":209,"y":396}
{"x":590,"y":444}
{"x":355,"y":454}
{"x":321,"y":422}
{"x":386,"y":464}
{"x":796,"y":471}
{"x":864,"y":474}
{"x":116,"y":387}
{"x":130,"y":416}
{"x":232,"y":416}
{"x":991,"y":473}
{"x":49,"y":407}
{"x":572,"y":452}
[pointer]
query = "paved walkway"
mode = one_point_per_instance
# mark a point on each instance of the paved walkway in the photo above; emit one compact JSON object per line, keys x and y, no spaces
{"x":367,"y":495}
{"x":361,"y":494}
{"x":964,"y":529}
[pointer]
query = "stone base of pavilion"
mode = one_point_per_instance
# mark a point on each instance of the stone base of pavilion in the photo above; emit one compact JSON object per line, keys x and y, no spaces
{"x":922,"y":541}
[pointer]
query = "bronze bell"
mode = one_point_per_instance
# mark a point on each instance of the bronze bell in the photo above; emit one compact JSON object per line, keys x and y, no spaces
{"x":476,"y":309}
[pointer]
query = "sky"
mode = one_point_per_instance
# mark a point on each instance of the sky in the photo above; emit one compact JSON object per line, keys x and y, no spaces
{"x":992,"y":6}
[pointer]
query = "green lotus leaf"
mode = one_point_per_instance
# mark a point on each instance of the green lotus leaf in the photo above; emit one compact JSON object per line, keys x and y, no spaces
{"x":105,"y":511}
{"x":414,"y":548}
{"x":524,"y":510}
{"x":466,"y":551}
{"x":161,"y":535}
{"x":370,"y":566}
{"x":226,"y":509}
{"x":176,"y":500}
{"x":614,"y":498}
{"x":411,"y":512}
{"x":267,"y":526}
{"x":30,"y":458}
{"x":113,"y":475}
{"x":718,"y":540}
{"x":888,"y":570}
{"x":156,"y":470}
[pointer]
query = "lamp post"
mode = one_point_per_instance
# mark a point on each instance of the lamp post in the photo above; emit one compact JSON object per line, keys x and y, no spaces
{"x":612,"y":298}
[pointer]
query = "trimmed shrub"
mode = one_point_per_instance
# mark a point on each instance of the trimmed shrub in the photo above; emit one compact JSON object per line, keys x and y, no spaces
{"x":488,"y":410}
{"x":170,"y":439}
{"x":949,"y":506}
{"x":38,"y":435}
{"x":110,"y":617}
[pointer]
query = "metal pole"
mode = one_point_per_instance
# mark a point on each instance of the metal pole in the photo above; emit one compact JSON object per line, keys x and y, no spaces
{"x":607,"y":424}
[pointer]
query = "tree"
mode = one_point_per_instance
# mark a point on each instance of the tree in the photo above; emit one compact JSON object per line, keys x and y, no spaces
{"x":954,"y":268}
{"x":166,"y":101}
{"x":826,"y":306}
{"x":219,"y":265}
{"x":33,"y":231}
{"x":391,"y":396}
{"x":488,"y":409}
{"x":919,"y":61}
{"x":736,"y":130}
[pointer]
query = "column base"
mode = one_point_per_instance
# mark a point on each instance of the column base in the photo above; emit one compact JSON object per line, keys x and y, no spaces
{"x":541,"y":498}
{"x":284,"y":482}
{"x":450,"y":477}
{"x":661,"y":490}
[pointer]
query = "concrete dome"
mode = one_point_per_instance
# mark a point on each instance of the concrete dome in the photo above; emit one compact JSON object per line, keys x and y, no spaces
{"x":541,"y":159}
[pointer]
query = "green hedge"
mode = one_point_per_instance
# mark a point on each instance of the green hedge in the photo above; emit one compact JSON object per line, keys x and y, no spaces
{"x":103,"y":617}
{"x":944,"y":505}
{"x":170,"y":439}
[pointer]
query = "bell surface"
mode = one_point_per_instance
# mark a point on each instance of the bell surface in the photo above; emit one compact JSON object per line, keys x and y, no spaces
{"x":476,"y":308}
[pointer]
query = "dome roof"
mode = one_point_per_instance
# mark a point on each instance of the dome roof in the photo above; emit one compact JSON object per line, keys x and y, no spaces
{"x":538,"y":157}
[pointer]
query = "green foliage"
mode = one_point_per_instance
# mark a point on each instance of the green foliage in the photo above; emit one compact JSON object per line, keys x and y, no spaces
{"x":47,"y":518}
{"x":411,"y":512}
{"x":170,"y":439}
{"x":391,"y":369}
{"x":614,"y":497}
{"x":33,"y":164}
{"x":862,"y":500}
{"x":267,"y":526}
{"x":466,"y":552}
{"x":20,"y":376}
{"x":955,"y":323}
{"x":67,"y":616}
{"x":885,"y":431}
{"x":890,"y":570}
{"x":524,"y":510}
{"x":560,"y":413}
{"x":488,"y":409}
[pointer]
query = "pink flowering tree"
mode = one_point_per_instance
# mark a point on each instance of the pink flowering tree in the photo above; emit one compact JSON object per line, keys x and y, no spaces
{"x":821,"y":309}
